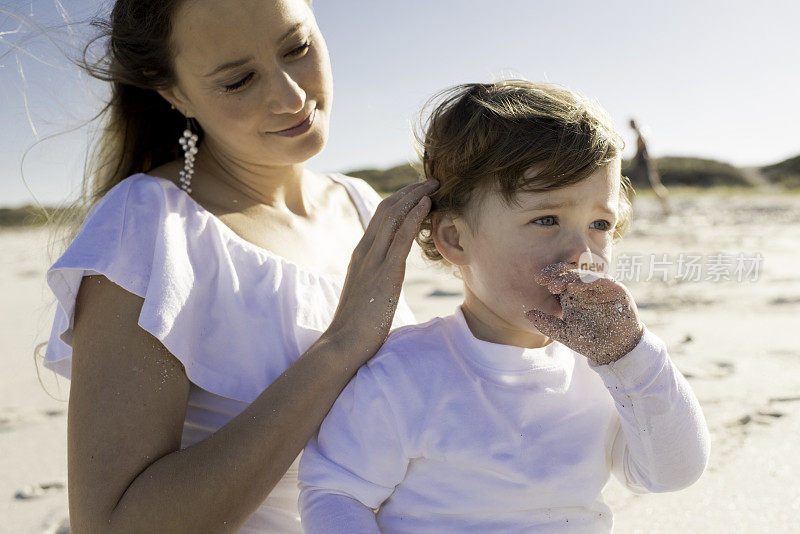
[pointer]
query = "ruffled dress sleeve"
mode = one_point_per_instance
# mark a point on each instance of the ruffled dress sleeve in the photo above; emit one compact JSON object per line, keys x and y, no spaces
{"x":214,"y":304}
{"x":117,"y":240}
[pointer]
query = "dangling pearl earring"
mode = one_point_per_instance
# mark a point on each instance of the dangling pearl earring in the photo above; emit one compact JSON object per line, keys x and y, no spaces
{"x":189,"y":145}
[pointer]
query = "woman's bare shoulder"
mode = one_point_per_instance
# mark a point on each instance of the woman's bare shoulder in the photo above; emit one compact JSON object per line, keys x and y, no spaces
{"x":168,"y":171}
{"x":107,"y":312}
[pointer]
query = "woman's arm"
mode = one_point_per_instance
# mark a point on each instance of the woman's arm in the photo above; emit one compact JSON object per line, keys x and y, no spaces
{"x":129,"y":395}
{"x":127,"y":406}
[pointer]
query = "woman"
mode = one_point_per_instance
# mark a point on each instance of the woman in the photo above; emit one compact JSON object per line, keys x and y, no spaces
{"x":217,"y":299}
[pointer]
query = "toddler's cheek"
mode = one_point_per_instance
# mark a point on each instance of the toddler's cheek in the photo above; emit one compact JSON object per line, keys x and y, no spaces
{"x":527,"y":295}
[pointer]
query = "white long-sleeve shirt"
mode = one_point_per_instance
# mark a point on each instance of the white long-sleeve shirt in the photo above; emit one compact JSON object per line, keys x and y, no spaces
{"x":442,"y":432}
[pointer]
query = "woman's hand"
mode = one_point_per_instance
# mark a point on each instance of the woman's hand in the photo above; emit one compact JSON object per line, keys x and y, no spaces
{"x":377,"y":269}
{"x":600,"y":319}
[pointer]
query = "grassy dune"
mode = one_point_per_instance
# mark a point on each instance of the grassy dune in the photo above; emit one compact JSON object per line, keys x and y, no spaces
{"x":676,"y":172}
{"x":681,"y":175}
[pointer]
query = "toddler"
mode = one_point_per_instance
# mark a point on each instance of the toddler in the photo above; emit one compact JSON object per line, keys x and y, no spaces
{"x":510,"y":414}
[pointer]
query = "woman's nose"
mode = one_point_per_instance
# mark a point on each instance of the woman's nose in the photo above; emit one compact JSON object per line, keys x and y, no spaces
{"x":286,"y":96}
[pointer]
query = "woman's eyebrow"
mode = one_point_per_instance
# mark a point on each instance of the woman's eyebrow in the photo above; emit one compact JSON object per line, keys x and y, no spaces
{"x":239,"y":62}
{"x":294,"y":29}
{"x":229,"y":65}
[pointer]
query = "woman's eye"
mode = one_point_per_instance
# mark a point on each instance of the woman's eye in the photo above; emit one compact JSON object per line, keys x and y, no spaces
{"x":605,"y":225}
{"x":300,"y":50}
{"x":549,"y":220}
{"x":241,"y":83}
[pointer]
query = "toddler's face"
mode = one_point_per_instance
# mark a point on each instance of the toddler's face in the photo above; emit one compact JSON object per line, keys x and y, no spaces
{"x":511,"y":244}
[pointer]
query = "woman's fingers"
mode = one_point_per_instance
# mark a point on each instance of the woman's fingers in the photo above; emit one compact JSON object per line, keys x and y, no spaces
{"x":404,"y":237}
{"x":410,"y":193}
{"x":391,"y":218}
{"x":373,"y":276}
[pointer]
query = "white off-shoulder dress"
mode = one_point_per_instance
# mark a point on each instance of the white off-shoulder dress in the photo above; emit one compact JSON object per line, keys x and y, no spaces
{"x":236,"y":315}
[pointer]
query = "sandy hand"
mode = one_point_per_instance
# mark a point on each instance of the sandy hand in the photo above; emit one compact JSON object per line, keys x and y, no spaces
{"x":376,"y":272}
{"x":600,"y":319}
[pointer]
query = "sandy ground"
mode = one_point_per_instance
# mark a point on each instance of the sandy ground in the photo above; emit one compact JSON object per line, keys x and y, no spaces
{"x":735,"y":340}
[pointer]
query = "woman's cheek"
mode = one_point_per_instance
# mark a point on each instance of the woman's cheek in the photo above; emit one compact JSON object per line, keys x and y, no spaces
{"x":238,"y":113}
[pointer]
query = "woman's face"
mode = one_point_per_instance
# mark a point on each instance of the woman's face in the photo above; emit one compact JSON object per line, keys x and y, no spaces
{"x":256,"y":75}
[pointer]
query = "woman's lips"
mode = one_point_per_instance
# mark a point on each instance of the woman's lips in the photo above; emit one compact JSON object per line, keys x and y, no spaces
{"x":301,"y":128}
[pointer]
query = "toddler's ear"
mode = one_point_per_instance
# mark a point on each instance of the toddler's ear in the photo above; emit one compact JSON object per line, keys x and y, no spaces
{"x":448,"y":236}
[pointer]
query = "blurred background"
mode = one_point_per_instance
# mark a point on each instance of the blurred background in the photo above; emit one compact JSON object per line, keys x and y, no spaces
{"x":713,"y":87}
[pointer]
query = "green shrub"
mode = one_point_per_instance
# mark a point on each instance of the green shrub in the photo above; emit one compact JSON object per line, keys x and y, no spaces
{"x":785,"y":173}
{"x":26,"y":216}
{"x":695,"y":172}
{"x":389,"y":180}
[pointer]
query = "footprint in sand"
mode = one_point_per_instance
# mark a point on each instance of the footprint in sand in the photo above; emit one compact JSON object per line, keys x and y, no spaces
{"x":442,"y":293}
{"x":60,"y":526}
{"x":760,"y":417}
{"x":784,"y":399}
{"x":783,"y":301}
{"x":33,"y":491}
{"x":10,"y":418}
{"x":714,"y":370}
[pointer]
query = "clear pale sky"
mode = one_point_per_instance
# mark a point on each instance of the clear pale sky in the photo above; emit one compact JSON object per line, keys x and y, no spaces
{"x":716,"y":79}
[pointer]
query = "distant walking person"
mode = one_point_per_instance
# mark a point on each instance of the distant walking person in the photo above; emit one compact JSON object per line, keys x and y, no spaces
{"x":644,"y":171}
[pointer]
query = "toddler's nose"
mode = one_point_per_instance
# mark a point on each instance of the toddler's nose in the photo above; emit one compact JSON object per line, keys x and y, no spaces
{"x":579,"y":253}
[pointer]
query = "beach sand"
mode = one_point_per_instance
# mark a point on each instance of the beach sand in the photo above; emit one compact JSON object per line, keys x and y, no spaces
{"x":734,"y":340}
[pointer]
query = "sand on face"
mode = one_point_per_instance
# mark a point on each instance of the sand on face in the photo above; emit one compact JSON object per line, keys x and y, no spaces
{"x":734,"y":340}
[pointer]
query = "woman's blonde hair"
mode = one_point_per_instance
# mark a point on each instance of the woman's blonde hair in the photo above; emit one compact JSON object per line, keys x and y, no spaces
{"x":483,"y":137}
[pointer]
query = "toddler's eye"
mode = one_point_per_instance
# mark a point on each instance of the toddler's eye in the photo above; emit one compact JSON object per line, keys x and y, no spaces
{"x":548,"y":220}
{"x":605,"y":225}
